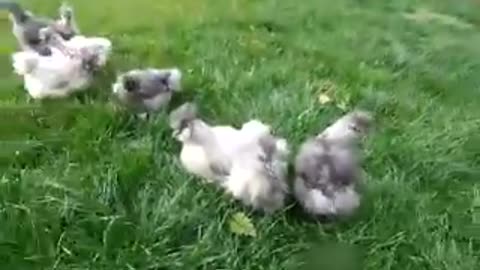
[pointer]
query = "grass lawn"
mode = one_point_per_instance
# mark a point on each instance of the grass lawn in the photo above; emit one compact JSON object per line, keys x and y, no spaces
{"x":85,"y":187}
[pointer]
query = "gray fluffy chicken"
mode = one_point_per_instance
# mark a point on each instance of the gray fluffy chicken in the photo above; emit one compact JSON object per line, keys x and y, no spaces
{"x":327,"y":168}
{"x":147,"y":90}
{"x":26,"y":26}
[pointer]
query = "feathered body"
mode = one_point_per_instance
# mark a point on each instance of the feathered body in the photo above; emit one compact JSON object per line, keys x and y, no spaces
{"x":26,"y":27}
{"x":258,"y":176}
{"x":68,"y":69}
{"x":147,"y":90}
{"x":93,"y":51}
{"x":206,"y":150}
{"x":328,"y":170}
{"x":66,"y":25}
{"x":54,"y":76}
{"x":100,"y":47}
{"x":249,"y":162}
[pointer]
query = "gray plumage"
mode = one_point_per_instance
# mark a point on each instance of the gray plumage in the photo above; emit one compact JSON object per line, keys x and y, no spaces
{"x":26,"y":26}
{"x":66,"y":26}
{"x":328,"y":170}
{"x":147,"y":90}
{"x":262,"y":183}
{"x":326,"y":165}
{"x":182,"y":117}
{"x":274,"y":157}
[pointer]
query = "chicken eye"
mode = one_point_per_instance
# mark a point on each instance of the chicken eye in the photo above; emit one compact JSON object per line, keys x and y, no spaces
{"x":355,"y":128}
{"x":183,"y":124}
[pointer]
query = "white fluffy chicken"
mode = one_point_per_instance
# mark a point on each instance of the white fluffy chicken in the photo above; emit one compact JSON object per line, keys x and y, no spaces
{"x":68,"y":69}
{"x":258,"y":176}
{"x":327,"y":169}
{"x":249,"y":162}
{"x":206,"y":150}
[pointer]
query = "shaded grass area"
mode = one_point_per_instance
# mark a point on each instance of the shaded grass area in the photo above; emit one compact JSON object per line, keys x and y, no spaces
{"x":95,"y":189}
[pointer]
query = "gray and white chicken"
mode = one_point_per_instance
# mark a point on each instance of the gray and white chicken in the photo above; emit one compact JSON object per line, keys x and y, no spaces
{"x":258,"y":176}
{"x":327,"y":168}
{"x":26,"y":27}
{"x":70,"y":67}
{"x":249,"y":163}
{"x":206,"y":149}
{"x":147,"y":90}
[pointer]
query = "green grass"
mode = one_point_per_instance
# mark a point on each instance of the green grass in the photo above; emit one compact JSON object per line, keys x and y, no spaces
{"x":84,"y":187}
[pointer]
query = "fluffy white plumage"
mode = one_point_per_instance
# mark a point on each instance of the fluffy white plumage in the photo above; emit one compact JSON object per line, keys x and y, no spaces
{"x":52,"y":76}
{"x":258,"y":176}
{"x":64,"y":71}
{"x":343,"y":202}
{"x":99,"y":46}
{"x":249,"y":163}
{"x":197,"y":159}
{"x":205,"y":157}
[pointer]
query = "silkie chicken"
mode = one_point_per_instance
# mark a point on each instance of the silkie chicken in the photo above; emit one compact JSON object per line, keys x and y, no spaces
{"x":26,"y":27}
{"x":70,"y":67}
{"x":249,"y":163}
{"x":327,"y":168}
{"x":147,"y":90}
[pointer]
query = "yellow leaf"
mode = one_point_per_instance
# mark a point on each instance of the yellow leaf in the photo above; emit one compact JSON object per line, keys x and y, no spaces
{"x":242,"y":225}
{"x":324,"y":99}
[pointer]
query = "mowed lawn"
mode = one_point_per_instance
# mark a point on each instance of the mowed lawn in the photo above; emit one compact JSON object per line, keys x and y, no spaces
{"x":84,"y":186}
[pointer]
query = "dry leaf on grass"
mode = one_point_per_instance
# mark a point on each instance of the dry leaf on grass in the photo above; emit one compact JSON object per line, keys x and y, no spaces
{"x":326,"y":87}
{"x":324,"y":99}
{"x":240,"y":224}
